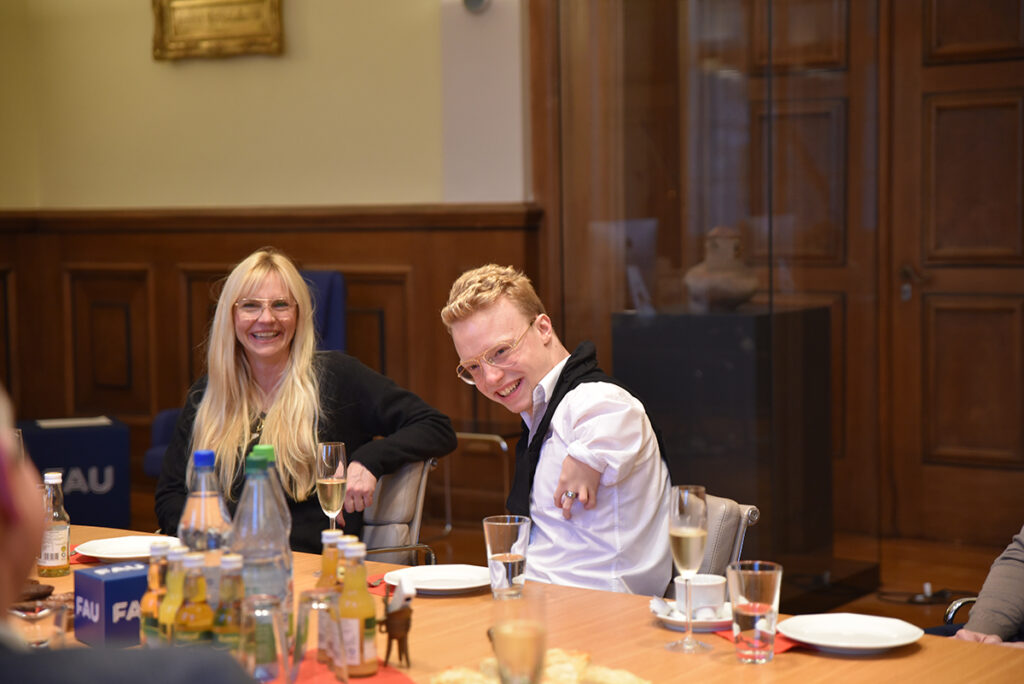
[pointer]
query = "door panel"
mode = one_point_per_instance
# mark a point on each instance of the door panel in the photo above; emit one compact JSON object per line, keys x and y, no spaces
{"x":958,"y":272}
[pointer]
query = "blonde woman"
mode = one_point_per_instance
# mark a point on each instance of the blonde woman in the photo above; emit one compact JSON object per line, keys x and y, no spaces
{"x":266,"y":384}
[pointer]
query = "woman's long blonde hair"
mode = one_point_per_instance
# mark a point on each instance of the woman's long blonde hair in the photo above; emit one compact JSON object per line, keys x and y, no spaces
{"x":231,"y":403}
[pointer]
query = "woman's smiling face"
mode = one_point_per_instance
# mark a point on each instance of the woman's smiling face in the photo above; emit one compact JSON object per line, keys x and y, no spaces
{"x":267,"y":339}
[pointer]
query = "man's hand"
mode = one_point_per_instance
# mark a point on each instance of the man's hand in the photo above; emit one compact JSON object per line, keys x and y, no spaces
{"x":361,"y":485}
{"x":579,"y":478}
{"x":968,"y":635}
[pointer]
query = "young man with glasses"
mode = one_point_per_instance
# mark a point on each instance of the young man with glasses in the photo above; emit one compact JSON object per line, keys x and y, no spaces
{"x":585,"y":440}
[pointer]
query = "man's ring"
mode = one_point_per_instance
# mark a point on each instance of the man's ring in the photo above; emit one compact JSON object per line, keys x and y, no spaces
{"x":570,"y":495}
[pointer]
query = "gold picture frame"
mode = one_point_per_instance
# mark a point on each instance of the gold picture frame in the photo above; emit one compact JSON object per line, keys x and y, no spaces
{"x":216,"y":28}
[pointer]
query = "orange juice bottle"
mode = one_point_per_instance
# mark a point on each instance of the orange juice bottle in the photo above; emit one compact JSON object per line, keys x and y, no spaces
{"x":358,"y":615}
{"x":329,"y":559}
{"x":149,"y":625}
{"x":193,"y":624}
{"x":228,"y":616}
{"x":174,"y":595}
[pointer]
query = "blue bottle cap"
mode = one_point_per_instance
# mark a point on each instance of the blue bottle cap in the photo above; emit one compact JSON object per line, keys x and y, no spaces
{"x":203,"y":459}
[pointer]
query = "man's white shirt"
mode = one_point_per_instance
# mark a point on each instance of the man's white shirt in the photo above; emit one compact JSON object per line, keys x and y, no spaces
{"x":621,"y":544}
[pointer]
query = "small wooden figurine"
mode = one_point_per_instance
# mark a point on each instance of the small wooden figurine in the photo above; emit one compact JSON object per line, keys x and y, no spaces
{"x":396,"y":624}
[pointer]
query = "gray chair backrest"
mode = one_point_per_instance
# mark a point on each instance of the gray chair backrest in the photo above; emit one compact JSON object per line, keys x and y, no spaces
{"x":397,"y":511}
{"x":727,"y":526}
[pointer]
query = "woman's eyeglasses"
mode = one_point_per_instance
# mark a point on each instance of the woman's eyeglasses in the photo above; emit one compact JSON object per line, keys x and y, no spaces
{"x":501,"y":355}
{"x":251,"y":308}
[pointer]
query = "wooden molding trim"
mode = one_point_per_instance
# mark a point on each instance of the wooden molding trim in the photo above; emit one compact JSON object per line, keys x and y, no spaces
{"x":248,"y":219}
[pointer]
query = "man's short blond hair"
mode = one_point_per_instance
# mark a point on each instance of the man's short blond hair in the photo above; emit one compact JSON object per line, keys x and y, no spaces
{"x":481,"y":287}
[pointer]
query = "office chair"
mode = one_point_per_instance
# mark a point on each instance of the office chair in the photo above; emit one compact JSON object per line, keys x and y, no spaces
{"x":391,"y":525}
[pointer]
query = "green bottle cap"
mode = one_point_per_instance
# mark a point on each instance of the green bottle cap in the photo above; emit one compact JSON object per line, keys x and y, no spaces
{"x":266,"y":451}
{"x":255,"y":461}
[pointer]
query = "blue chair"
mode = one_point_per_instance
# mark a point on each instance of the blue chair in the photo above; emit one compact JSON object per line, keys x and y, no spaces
{"x":327,"y":288}
{"x":330,"y":296}
{"x":159,"y":437}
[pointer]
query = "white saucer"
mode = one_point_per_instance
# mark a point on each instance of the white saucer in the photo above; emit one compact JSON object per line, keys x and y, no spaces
{"x":722,"y":621}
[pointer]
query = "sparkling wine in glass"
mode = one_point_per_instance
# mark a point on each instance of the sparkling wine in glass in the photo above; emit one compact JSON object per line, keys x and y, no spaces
{"x":330,"y":478}
{"x":688,"y":535}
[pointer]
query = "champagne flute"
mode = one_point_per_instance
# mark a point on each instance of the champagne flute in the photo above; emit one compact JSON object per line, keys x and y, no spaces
{"x":330,"y":478}
{"x":688,"y":534}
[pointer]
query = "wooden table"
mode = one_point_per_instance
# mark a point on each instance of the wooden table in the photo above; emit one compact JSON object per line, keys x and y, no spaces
{"x":619,"y":631}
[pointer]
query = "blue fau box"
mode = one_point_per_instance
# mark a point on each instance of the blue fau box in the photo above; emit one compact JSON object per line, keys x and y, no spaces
{"x":107,"y":606}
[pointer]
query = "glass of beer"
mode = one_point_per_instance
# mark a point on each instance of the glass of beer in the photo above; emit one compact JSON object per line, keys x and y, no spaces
{"x":330,"y":478}
{"x":688,"y":535}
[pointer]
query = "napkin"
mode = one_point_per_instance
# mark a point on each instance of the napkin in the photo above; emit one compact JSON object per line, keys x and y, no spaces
{"x":80,"y":558}
{"x":386,"y":674}
{"x":782,"y":644}
{"x":379,"y":589}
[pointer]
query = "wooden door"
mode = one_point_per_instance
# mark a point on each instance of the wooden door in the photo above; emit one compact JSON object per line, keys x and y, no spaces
{"x":957,"y":281}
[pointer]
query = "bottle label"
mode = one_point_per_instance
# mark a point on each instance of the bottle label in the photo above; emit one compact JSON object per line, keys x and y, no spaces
{"x":54,"y":552}
{"x":226,"y":641}
{"x":369,"y":640}
{"x":188,"y":637}
{"x":150,"y":629}
{"x":360,"y":645}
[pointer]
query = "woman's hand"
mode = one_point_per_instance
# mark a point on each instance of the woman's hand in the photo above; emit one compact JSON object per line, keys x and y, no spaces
{"x":581,"y":481}
{"x":361,"y":485}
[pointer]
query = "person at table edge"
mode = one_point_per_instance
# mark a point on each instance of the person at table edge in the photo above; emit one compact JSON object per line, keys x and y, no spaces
{"x":21,"y":532}
{"x":997,"y":617}
{"x":267,"y":384}
{"x":588,"y":468}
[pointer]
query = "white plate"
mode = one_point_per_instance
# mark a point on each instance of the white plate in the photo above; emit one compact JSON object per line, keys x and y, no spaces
{"x":117,"y":549}
{"x":723,"y":621}
{"x":442,"y":579}
{"x":850,"y":633}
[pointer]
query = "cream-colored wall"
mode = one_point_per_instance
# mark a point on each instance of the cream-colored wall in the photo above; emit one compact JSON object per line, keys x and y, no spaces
{"x":350,"y":114}
{"x":18,"y":170}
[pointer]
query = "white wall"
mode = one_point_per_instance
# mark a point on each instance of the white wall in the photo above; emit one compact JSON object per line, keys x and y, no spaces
{"x":350,"y":114}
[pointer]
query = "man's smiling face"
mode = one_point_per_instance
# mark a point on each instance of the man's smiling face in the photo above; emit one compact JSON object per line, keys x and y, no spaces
{"x":511,"y":386}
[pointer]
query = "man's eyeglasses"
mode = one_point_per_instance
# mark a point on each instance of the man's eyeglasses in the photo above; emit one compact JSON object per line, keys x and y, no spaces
{"x":501,"y":355}
{"x":251,"y":308}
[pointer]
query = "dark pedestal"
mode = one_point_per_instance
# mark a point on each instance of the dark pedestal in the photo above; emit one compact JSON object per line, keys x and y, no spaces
{"x":742,"y":402}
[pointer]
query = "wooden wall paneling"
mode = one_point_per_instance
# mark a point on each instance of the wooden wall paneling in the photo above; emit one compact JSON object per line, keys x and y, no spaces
{"x":6,"y":331}
{"x":109,"y":317}
{"x":967,"y":30}
{"x":651,"y":144}
{"x":162,"y":268}
{"x":824,"y":238}
{"x":973,"y":411}
{"x":378,"y":311}
{"x":805,"y":34}
{"x":545,"y":106}
{"x":973,"y":195}
{"x":809,"y":179}
{"x":593,"y":185}
{"x":199,"y":288}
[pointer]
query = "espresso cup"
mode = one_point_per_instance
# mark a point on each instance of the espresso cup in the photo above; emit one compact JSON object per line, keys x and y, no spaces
{"x":707,"y":596}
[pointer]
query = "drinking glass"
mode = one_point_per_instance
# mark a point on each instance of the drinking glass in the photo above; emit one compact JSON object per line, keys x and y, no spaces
{"x":319,"y":652}
{"x":518,"y":634}
{"x":330,"y":478}
{"x":262,"y":649}
{"x":507,"y":537}
{"x":754,"y":593}
{"x":40,"y":625}
{"x":688,"y":535}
